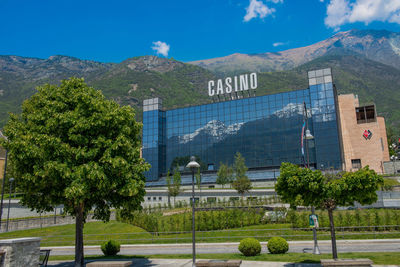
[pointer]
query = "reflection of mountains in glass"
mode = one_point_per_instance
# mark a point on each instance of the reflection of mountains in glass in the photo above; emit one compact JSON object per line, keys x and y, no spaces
{"x":215,"y":129}
{"x":263,"y":142}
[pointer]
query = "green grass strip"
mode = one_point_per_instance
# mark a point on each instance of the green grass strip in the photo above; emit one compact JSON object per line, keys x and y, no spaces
{"x":376,"y":257}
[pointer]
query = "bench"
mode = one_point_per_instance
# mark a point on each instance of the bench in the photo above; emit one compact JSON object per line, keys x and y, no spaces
{"x":218,"y":263}
{"x":44,"y":255}
{"x":109,"y":264}
{"x":347,"y":262}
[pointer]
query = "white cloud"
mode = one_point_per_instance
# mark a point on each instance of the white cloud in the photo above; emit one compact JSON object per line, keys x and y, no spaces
{"x":279,"y":44}
{"x":340,"y":12}
{"x":161,"y":48}
{"x":337,"y":13}
{"x":258,"y":9}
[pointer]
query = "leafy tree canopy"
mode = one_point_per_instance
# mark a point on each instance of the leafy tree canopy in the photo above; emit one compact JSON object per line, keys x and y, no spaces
{"x":302,"y":186}
{"x":222,"y":175}
{"x":71,"y":146}
{"x":242,"y":183}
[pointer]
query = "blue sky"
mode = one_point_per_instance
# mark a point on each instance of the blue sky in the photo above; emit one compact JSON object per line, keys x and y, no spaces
{"x":112,"y":31}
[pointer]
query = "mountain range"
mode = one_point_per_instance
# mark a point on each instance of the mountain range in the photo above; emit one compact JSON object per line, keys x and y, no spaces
{"x":364,"y":62}
{"x":381,"y":46}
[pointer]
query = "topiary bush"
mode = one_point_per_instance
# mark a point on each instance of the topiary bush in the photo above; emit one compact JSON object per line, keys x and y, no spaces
{"x":277,"y":245}
{"x":110,"y":248}
{"x":250,"y":247}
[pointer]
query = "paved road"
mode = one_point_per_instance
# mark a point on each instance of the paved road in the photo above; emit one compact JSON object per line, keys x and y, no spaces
{"x":371,"y":245}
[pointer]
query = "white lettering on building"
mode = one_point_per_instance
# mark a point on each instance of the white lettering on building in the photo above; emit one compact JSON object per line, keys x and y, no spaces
{"x":242,"y":82}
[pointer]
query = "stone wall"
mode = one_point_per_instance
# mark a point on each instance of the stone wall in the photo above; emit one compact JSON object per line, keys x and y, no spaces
{"x":392,"y":167}
{"x":20,"y":252}
{"x":21,"y":224}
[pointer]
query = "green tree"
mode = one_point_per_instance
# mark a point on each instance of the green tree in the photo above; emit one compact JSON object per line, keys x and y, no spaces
{"x":229,"y":175}
{"x":222,"y":175}
{"x":173,"y":185}
{"x":198,"y":182}
{"x":176,"y":184}
{"x":302,"y":186}
{"x":170,"y":188}
{"x":242,"y":183}
{"x":71,"y":146}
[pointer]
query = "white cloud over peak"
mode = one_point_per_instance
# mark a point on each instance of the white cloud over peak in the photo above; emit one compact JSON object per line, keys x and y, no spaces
{"x":258,"y":9}
{"x":279,"y":44}
{"x":161,"y":48}
{"x":340,"y":12}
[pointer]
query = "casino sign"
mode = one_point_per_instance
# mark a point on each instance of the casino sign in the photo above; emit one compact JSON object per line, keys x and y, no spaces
{"x":228,"y":85}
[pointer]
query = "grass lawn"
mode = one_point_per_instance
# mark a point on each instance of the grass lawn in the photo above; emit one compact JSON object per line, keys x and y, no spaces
{"x":96,"y":233}
{"x":376,"y":257}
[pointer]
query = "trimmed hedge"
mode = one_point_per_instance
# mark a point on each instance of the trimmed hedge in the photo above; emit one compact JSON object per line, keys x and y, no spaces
{"x":236,"y":218}
{"x":110,"y":248}
{"x":277,"y":245}
{"x":250,"y":247}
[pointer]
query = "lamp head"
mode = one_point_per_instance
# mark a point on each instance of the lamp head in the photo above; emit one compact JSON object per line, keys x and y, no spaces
{"x":308,"y":135}
{"x":192,"y":164}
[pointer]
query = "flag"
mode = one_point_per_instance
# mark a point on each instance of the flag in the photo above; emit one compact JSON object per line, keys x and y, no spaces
{"x":302,"y":138}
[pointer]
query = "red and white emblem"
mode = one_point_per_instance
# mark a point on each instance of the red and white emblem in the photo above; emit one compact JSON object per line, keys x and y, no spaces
{"x":367,"y":134}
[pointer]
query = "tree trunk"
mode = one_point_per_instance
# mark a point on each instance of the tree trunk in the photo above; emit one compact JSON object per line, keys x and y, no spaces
{"x":79,"y":259}
{"x":333,"y":236}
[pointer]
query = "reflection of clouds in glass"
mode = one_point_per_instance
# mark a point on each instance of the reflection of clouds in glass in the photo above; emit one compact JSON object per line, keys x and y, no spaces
{"x":292,"y":109}
{"x":325,"y":117}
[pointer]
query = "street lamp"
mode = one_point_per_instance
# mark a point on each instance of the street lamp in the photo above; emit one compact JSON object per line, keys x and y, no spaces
{"x":4,"y":180}
{"x":193,"y":165}
{"x":309,"y":136}
{"x":394,"y":158}
{"x":9,"y":201}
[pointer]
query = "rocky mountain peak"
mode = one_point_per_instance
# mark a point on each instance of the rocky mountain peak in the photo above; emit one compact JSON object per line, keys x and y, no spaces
{"x":378,"y":45}
{"x":152,"y":63}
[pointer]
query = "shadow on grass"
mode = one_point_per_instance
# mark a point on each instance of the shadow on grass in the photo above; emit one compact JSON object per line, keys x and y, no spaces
{"x":136,"y":260}
{"x":309,"y":261}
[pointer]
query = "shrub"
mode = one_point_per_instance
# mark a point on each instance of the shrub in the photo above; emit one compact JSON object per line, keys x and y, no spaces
{"x":277,"y":245}
{"x":250,"y":247}
{"x":110,"y":248}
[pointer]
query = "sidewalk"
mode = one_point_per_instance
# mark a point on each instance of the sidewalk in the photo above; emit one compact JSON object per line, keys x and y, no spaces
{"x":188,"y":263}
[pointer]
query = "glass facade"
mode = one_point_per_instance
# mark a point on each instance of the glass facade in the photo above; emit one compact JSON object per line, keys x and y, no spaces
{"x":266,"y":130}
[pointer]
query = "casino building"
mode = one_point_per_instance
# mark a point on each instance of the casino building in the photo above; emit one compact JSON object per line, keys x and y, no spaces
{"x":266,"y":130}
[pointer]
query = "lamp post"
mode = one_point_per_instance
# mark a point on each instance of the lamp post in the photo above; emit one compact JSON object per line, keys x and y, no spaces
{"x":309,"y":136}
{"x":9,"y":202}
{"x":193,"y":165}
{"x":394,"y":158}
{"x":4,"y":180}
